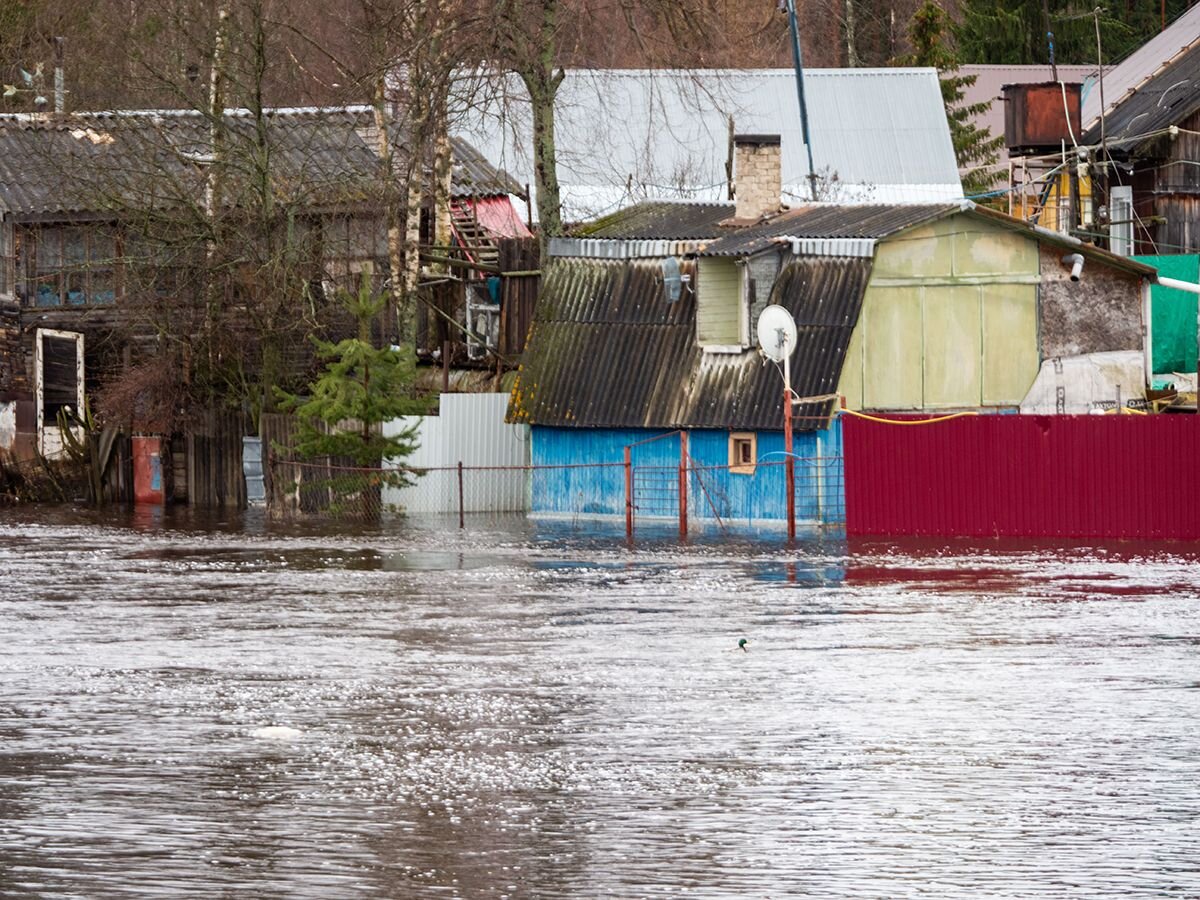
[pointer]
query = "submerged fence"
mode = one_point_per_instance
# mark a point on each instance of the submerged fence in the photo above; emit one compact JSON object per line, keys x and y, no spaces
{"x":645,"y":496}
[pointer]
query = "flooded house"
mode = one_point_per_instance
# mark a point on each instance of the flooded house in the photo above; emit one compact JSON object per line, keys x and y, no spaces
{"x":102,"y":242}
{"x":646,"y":327}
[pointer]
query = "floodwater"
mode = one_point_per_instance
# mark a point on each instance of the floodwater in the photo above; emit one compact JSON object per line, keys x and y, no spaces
{"x":224,"y":709}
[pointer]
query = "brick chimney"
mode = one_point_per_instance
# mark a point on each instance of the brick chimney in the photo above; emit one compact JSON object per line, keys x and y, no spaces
{"x":758,"y":178}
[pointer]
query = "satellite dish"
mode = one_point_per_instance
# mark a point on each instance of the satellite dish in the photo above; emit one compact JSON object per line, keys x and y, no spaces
{"x":776,"y":333}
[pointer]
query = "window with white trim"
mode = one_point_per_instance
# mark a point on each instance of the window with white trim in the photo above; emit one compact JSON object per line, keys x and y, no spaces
{"x":722,"y":312}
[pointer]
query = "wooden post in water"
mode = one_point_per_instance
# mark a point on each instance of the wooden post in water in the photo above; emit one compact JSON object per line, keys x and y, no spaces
{"x":683,"y":486}
{"x":460,"y":495}
{"x":629,"y":493}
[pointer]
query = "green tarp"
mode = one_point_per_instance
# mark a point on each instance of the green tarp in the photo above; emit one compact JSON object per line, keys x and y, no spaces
{"x":1173,"y":314}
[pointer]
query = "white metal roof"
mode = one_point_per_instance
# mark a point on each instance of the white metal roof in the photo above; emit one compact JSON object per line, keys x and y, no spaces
{"x":878,"y":135}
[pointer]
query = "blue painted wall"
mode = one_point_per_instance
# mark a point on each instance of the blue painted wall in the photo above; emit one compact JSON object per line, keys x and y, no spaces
{"x":578,"y":485}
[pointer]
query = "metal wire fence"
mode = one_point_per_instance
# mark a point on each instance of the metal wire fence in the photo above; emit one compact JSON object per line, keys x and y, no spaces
{"x":685,"y":496}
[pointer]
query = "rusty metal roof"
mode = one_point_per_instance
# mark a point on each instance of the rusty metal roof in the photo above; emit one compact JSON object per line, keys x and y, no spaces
{"x":101,"y":161}
{"x":608,"y":351}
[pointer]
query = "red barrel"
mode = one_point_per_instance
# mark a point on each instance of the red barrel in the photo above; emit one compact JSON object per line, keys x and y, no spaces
{"x":148,"y":470}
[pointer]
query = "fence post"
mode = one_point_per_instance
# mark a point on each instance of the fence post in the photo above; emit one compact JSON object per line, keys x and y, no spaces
{"x":683,"y":486}
{"x":789,"y":464}
{"x":629,"y":493}
{"x":460,"y":495}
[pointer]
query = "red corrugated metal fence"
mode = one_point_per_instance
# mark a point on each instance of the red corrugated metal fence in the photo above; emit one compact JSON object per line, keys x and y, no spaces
{"x":1025,"y":476}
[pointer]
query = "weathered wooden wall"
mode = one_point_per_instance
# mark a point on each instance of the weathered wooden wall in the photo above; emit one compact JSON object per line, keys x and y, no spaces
{"x":296,"y":487}
{"x":1176,"y":195}
{"x":214,"y":462}
{"x":518,"y":293}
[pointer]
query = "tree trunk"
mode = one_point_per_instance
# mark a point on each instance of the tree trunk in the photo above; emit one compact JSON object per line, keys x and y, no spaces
{"x":401,"y":300}
{"x":442,"y":170}
{"x":542,"y":83}
{"x":542,"y":92}
{"x":853,"y":60}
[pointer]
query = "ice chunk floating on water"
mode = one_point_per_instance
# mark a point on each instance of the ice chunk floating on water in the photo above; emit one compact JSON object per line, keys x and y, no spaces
{"x":276,"y":733}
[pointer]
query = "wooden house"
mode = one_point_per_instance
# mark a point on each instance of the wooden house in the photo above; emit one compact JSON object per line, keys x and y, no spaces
{"x":102,"y":219}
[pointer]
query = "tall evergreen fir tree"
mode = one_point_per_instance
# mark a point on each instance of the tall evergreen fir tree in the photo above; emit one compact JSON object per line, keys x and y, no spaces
{"x":367,"y":386}
{"x":1013,"y":32}
{"x":975,"y":148}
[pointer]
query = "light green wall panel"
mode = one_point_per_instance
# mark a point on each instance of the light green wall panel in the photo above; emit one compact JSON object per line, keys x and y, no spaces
{"x":981,"y":248}
{"x":892,"y":348}
{"x":921,"y":251}
{"x":1010,"y":348}
{"x":718,"y":303}
{"x":850,"y":385}
{"x":952,"y":346}
{"x":927,"y":339}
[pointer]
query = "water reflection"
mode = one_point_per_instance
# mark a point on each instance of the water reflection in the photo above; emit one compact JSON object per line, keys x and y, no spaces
{"x":534,"y":709}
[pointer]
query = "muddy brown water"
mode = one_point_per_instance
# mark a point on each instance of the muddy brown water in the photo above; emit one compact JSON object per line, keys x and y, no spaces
{"x":536,"y":710}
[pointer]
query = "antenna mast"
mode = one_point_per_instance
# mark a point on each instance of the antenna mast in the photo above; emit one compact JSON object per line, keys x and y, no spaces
{"x":799,"y":64}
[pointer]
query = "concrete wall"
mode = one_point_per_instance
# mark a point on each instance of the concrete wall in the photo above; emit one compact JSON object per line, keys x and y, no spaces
{"x":1102,"y":311}
{"x":949,"y":320}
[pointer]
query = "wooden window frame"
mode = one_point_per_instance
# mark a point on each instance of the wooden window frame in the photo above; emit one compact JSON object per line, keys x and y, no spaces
{"x":739,"y":440}
{"x":59,"y":274}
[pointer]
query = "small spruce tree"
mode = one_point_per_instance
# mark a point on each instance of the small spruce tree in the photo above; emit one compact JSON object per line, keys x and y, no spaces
{"x":362,"y":387}
{"x":974,"y":147}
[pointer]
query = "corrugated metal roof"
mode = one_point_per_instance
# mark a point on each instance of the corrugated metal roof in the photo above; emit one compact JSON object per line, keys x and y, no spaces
{"x":608,"y":350}
{"x":872,"y":221}
{"x":1163,"y":100}
{"x":93,"y":162}
{"x":660,"y":220}
{"x":628,"y":135}
{"x":601,"y":248}
{"x":1141,"y":65}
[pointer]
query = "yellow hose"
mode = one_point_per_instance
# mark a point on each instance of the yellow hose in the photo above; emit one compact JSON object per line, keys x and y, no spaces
{"x":860,"y":415}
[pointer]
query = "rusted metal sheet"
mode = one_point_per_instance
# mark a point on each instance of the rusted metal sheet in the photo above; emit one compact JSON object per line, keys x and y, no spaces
{"x":608,"y":350}
{"x":1040,"y":116}
{"x":1025,"y":476}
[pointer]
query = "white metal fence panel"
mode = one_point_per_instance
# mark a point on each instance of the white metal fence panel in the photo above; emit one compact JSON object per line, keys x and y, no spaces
{"x":471,"y":430}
